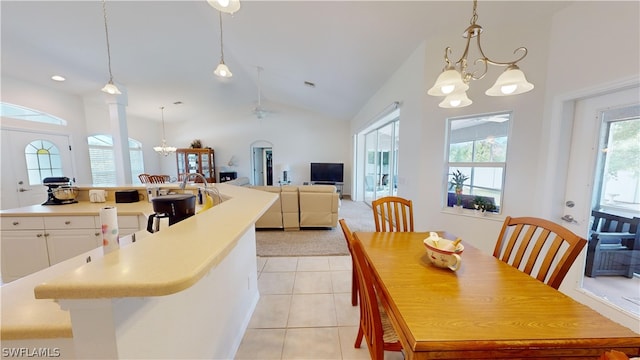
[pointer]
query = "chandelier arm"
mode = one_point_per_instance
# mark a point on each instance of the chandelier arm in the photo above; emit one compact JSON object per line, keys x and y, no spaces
{"x":522,"y":48}
{"x":483,"y":73}
{"x":447,"y":52}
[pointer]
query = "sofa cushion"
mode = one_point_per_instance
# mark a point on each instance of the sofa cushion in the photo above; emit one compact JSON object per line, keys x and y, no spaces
{"x":272,"y":218}
{"x":290,"y":207}
{"x":318,"y":206}
{"x":241,"y":181}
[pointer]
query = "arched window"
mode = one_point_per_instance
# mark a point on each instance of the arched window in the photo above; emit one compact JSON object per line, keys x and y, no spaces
{"x":102,"y":157}
{"x":22,"y":113}
{"x":43,"y":160}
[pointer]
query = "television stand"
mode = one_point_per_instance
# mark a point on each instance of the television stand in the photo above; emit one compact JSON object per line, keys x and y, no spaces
{"x":338,"y":185}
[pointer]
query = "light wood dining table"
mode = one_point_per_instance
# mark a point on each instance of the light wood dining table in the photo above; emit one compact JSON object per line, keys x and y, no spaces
{"x":485,"y":310}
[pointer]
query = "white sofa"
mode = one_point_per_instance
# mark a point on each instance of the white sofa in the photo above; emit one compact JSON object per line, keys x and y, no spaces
{"x":308,"y":206}
{"x":319,"y":205}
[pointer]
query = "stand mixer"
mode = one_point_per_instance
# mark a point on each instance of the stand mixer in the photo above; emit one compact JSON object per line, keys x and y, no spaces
{"x":60,"y":191}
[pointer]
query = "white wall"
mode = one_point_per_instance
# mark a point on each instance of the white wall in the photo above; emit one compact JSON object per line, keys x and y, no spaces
{"x":57,"y":103}
{"x":557,"y":64}
{"x":423,"y":127}
{"x":608,"y":58}
{"x":298,"y":136}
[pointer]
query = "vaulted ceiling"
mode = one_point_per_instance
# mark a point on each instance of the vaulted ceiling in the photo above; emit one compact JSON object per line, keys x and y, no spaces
{"x":166,"y":51}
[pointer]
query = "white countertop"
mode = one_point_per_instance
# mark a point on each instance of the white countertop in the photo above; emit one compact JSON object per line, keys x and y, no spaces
{"x":163,"y":263}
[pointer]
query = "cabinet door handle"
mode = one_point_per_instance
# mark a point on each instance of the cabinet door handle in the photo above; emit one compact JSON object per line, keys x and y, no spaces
{"x":46,"y":234}
{"x":97,"y":233}
{"x":67,"y":222}
{"x":39,"y":235}
{"x":16,"y":223}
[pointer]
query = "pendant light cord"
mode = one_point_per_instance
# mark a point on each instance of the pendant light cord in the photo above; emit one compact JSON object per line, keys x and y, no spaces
{"x":106,"y":31}
{"x":163,"y":132}
{"x":221,"y":43}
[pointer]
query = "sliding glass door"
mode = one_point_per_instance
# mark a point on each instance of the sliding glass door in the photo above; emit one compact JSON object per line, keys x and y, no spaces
{"x":380,"y":163}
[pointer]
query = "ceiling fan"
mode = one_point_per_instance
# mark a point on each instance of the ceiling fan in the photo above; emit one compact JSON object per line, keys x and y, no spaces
{"x":259,"y":111}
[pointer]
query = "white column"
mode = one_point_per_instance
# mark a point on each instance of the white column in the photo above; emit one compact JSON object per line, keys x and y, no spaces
{"x":119,"y":131}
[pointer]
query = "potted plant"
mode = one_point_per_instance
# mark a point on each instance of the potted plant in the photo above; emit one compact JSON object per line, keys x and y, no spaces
{"x":456,"y":183}
{"x":482,"y":206}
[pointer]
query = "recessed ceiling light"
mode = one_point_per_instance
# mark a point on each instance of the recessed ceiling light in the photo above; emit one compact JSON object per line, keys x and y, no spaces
{"x":58,"y":78}
{"x":310,"y":84}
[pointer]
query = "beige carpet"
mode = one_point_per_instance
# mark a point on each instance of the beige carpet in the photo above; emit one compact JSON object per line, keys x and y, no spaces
{"x":316,"y":242}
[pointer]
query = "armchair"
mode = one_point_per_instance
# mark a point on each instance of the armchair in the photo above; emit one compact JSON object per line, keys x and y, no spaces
{"x":614,"y":245}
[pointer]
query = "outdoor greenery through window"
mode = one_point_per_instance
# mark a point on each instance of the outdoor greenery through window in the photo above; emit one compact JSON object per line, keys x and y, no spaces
{"x":476,"y":161}
{"x":618,"y":175}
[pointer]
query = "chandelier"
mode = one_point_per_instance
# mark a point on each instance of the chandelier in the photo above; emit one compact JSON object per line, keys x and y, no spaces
{"x":222,"y":70}
{"x":453,"y":82}
{"x":163,"y":149}
{"x":110,"y":88}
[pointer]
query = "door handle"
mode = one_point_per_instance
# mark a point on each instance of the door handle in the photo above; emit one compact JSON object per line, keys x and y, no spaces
{"x":568,"y":218}
{"x":23,"y":189}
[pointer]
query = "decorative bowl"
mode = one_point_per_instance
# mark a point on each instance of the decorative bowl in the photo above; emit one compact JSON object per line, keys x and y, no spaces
{"x":442,"y":255}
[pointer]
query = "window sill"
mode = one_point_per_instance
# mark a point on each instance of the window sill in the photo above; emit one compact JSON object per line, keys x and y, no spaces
{"x":472,"y":213}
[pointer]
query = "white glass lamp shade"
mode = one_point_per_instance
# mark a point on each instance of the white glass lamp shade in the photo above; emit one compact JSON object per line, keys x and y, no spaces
{"x":456,"y":100}
{"x":511,"y":82}
{"x":225,"y":6}
{"x":448,"y":82}
{"x":111,"y":89}
{"x":164,"y":149}
{"x":223,"y":70}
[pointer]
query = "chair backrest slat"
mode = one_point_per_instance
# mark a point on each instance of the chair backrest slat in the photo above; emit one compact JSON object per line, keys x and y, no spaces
{"x":539,"y":243}
{"x":371,"y":323}
{"x":393,"y":214}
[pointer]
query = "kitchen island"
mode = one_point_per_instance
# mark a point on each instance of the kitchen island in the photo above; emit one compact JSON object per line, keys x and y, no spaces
{"x":187,"y":291}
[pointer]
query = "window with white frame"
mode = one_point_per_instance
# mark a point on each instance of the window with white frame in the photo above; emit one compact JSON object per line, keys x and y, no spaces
{"x":617,"y":183}
{"x":43,"y":160}
{"x":477,"y":153}
{"x":102,"y":157}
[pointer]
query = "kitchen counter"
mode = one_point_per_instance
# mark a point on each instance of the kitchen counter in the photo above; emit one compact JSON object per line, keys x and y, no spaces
{"x":80,"y":208}
{"x":174,"y":267}
{"x":175,"y":259}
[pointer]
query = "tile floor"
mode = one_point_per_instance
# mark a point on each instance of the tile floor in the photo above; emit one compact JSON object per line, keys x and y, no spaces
{"x":304,"y":311}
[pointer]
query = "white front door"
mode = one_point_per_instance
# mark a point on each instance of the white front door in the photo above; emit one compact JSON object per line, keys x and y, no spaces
{"x":575,"y":209}
{"x":22,"y":183}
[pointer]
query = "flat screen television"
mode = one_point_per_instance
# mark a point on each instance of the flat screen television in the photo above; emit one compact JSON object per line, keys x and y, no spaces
{"x":327,"y":172}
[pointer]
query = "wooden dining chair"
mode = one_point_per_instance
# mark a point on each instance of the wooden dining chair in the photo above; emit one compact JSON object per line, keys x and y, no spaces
{"x":156,"y":179}
{"x":375,"y":325}
{"x":348,"y":237}
{"x":393,"y":213}
{"x":538,"y":247}
{"x":144,"y":178}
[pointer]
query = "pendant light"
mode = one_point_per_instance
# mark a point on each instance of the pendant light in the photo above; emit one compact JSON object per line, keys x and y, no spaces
{"x":225,"y":6}
{"x":222,"y":70}
{"x":453,"y":82}
{"x":110,"y":88}
{"x":163,"y":149}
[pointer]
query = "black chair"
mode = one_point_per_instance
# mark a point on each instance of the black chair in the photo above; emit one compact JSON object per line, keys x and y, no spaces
{"x":614,"y":245}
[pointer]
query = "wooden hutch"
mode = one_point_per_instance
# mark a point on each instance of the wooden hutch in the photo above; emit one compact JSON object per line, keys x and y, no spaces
{"x":199,"y":160}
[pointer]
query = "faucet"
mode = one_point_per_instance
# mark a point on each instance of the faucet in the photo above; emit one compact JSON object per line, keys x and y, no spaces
{"x":188,"y":175}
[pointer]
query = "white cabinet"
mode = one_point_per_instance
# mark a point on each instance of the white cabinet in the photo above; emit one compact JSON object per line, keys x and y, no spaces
{"x":127,"y":224}
{"x":68,"y":236}
{"x":23,"y":245}
{"x":32,"y":243}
